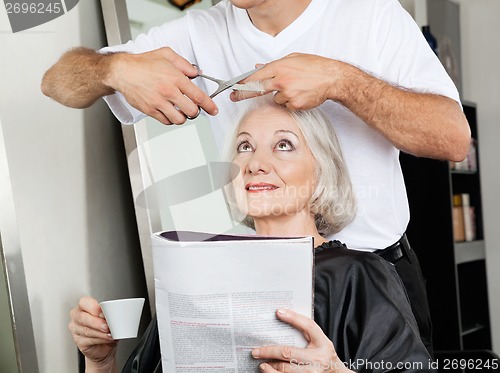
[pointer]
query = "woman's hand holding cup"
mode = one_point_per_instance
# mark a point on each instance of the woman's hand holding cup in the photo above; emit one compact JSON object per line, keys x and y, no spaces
{"x":91,"y":333}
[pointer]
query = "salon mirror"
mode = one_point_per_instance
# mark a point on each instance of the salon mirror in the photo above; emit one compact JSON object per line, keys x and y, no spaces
{"x":157,"y":153}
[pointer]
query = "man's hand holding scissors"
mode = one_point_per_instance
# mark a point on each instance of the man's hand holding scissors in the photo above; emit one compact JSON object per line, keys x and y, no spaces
{"x":158,"y":84}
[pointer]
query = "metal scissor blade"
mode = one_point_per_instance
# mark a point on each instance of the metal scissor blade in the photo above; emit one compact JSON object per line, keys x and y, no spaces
{"x":238,"y":79}
{"x":223,"y":85}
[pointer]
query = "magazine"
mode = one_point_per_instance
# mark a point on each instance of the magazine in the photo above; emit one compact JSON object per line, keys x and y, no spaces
{"x":217,"y":296}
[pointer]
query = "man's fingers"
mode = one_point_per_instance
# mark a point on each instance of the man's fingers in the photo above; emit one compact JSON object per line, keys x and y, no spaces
{"x":180,"y":63}
{"x":264,"y":79}
{"x":185,"y":106}
{"x":280,"y":98}
{"x":163,"y":97}
{"x":175,"y":111}
{"x":160,"y":117}
{"x":168,"y":114}
{"x":245,"y":95}
{"x":266,"y":73}
{"x":258,"y":88}
{"x":198,"y":98}
{"x":262,"y":85}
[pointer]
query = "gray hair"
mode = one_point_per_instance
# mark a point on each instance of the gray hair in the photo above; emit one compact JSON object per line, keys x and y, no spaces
{"x":332,"y":202}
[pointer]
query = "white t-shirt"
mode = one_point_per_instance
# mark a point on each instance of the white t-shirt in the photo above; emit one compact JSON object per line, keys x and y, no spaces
{"x":378,"y":36}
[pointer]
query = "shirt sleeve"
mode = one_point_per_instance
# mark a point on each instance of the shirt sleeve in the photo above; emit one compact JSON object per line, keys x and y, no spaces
{"x":363,"y":308}
{"x":405,"y":56}
{"x":174,"y":34}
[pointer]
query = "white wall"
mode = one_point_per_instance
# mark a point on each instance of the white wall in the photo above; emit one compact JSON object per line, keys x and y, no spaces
{"x":70,"y":185}
{"x":480,"y":32}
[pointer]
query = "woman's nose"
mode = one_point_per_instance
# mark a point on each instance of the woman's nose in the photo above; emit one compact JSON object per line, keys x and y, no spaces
{"x":259,"y":163}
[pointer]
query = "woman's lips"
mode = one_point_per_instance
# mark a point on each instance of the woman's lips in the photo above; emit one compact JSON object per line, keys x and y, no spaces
{"x":259,"y":187}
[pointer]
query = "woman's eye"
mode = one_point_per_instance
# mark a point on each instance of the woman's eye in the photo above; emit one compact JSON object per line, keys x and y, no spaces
{"x":284,"y":145}
{"x":244,"y":147}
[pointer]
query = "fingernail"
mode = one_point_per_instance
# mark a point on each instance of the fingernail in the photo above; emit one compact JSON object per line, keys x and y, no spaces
{"x":262,"y":366}
{"x":216,"y":111}
{"x":101,"y":315}
{"x":282,"y":311}
{"x":104,"y":327}
{"x":256,"y":353}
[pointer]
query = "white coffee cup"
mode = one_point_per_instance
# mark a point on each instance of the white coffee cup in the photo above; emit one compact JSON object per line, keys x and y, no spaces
{"x":123,"y":316}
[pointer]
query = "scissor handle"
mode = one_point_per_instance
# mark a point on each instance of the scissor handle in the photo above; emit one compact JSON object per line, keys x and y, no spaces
{"x":198,"y":71}
{"x":196,"y":116}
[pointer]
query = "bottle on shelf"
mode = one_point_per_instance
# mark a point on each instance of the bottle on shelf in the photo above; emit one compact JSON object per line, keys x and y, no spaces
{"x":458,"y":219}
{"x":469,"y":223}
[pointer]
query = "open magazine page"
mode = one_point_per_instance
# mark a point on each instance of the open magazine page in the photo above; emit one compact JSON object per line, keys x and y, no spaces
{"x":216,"y":300}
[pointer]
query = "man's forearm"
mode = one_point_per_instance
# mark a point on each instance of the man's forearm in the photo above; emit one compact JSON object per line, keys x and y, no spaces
{"x":78,"y":79}
{"x":422,"y":124}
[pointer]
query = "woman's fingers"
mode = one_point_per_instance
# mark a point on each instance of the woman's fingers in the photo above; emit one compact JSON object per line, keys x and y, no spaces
{"x":89,"y":332}
{"x":90,"y":305}
{"x":89,"y":315}
{"x":87,"y":321}
{"x":282,"y":367}
{"x":272,"y":367}
{"x":318,"y":356}
{"x":311,"y":331}
{"x":287,"y":354}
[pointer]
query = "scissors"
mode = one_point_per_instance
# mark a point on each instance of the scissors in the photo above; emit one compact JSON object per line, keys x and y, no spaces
{"x":223,"y":84}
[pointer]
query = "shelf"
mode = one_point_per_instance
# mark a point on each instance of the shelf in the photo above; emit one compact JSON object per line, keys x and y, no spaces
{"x":457,"y":286}
{"x":472,"y":329}
{"x":469,"y":251}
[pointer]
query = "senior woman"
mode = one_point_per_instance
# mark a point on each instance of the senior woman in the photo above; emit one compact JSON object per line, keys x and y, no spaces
{"x":293,"y":182}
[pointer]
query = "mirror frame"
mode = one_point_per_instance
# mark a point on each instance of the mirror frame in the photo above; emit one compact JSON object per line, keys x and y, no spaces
{"x":13,"y":268}
{"x":117,"y":26}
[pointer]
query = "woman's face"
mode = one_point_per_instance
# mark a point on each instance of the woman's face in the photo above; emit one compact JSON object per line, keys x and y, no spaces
{"x":276,"y":166}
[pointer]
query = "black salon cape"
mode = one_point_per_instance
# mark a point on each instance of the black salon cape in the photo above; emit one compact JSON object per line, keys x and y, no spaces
{"x":360,"y":304}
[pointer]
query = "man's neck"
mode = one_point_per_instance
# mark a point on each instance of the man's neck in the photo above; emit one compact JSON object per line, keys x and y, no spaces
{"x":272,"y":17}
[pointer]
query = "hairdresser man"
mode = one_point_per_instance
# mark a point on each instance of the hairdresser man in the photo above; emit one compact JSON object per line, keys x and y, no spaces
{"x":364,"y":61}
